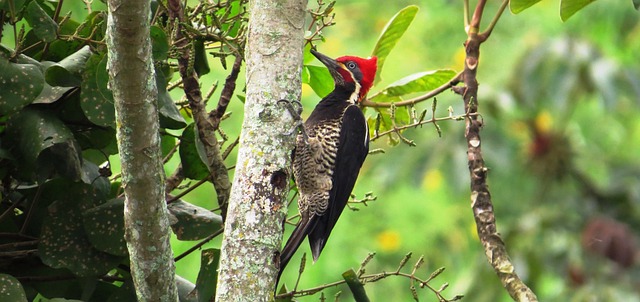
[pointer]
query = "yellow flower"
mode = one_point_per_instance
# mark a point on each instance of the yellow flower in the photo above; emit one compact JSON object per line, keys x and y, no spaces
{"x":389,"y":241}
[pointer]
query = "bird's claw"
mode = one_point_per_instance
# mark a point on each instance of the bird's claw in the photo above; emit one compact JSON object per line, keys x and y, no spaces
{"x":295,"y":113}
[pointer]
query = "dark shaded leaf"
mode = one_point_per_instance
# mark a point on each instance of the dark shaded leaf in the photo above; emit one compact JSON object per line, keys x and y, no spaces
{"x":43,"y":26}
{"x":207,"y":276}
{"x":170,"y":116}
{"x":391,"y":34}
{"x":190,"y":222}
{"x":320,"y":80}
{"x":32,"y":131}
{"x":636,"y":4}
{"x":11,"y":289}
{"x":200,"y":62}
{"x":95,"y":99}
{"x":64,"y":242}
{"x":20,"y":84}
{"x":104,"y":226}
{"x":193,"y":164}
{"x":68,"y":72}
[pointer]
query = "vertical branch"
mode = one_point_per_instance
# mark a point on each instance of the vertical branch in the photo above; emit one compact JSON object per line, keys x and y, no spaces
{"x":205,"y":127}
{"x":253,"y":228}
{"x":132,"y":79}
{"x":481,"y":204}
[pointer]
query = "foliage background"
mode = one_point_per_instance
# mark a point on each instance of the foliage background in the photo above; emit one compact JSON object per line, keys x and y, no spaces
{"x":542,"y":207}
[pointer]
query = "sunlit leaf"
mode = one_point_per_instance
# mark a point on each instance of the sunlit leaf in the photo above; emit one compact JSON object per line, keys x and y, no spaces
{"x":159,"y":43}
{"x":320,"y":80}
{"x":392,"y":32}
{"x":419,"y":82}
{"x":356,"y":287}
{"x":570,"y":7}
{"x":43,"y":26}
{"x":518,"y":6}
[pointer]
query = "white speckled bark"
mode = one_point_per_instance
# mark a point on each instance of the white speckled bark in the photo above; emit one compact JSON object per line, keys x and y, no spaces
{"x":132,"y":80}
{"x":253,"y":230}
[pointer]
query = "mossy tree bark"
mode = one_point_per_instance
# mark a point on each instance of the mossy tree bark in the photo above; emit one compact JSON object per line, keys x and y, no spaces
{"x":253,"y":229}
{"x":132,"y":80}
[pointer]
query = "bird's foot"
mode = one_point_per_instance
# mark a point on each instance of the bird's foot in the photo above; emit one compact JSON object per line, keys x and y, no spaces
{"x":295,"y":113}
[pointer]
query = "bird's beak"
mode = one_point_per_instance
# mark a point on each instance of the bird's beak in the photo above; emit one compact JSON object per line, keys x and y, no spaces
{"x":331,"y":64}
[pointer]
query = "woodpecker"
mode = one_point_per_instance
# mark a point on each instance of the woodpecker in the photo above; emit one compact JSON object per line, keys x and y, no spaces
{"x":329,"y":153}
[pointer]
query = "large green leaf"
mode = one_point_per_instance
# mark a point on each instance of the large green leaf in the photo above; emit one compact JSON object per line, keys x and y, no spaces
{"x":68,"y":72}
{"x":392,"y":32}
{"x":190,"y":222}
{"x":11,"y":289}
{"x":419,"y":82}
{"x":320,"y":80}
{"x":95,"y":99}
{"x":517,"y":6}
{"x":193,"y":165}
{"x":33,"y":131}
{"x":104,"y":226}
{"x":20,"y":84}
{"x":570,"y":7}
{"x":159,"y":43}
{"x":64,"y":242}
{"x":43,"y":26}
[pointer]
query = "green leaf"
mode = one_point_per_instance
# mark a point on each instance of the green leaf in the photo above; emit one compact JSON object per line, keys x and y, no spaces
{"x":159,"y":44}
{"x":200,"y":62}
{"x":356,"y":287}
{"x":320,"y":80}
{"x":193,"y":164}
{"x":104,"y":226}
{"x":68,"y":72}
{"x":31,"y":132}
{"x":95,"y":99}
{"x":190,"y":222}
{"x":208,"y":275}
{"x":64,"y":242}
{"x":43,"y":26}
{"x":517,"y":6}
{"x":419,"y":82}
{"x":570,"y":7}
{"x":11,"y":289}
{"x":22,"y":85}
{"x":392,"y":32}
{"x":636,"y":4}
{"x":170,"y":116}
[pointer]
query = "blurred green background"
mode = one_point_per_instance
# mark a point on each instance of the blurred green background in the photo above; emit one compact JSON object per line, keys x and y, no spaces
{"x":561,"y":137}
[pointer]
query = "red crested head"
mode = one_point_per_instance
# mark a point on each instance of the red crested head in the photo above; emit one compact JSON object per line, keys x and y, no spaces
{"x":364,"y":72}
{"x":351,"y":70}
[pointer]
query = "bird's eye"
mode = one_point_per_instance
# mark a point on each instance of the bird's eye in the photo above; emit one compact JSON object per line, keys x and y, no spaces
{"x":351,"y":65}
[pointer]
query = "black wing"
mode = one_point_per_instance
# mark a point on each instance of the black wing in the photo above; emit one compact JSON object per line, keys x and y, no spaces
{"x":352,"y":150}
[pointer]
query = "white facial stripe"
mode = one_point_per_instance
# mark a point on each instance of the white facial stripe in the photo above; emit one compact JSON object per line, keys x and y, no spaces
{"x":353,"y":99}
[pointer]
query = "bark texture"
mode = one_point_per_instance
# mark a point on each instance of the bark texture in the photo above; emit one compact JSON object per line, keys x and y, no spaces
{"x":132,"y":80}
{"x":253,"y":228}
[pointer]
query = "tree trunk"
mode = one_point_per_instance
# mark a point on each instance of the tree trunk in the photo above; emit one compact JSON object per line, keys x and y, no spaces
{"x":253,"y":229}
{"x":132,"y":80}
